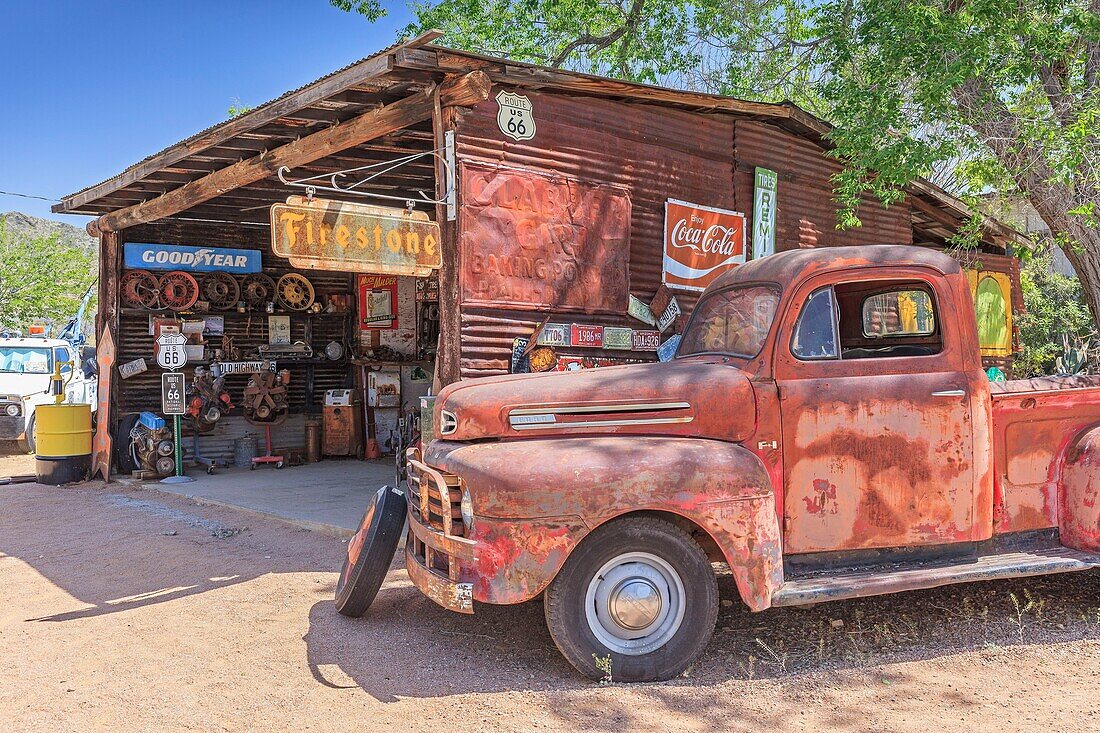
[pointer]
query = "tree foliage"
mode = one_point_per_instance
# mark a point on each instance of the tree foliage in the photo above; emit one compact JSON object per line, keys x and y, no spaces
{"x":979,"y":94}
{"x":1054,"y":306}
{"x":41,"y":279}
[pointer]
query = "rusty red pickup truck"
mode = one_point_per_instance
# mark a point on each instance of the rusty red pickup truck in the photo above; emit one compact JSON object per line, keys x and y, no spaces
{"x":826,"y":431}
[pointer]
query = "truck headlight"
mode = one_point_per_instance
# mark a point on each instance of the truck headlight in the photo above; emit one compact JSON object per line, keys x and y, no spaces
{"x":467,"y":509}
{"x":12,"y":410}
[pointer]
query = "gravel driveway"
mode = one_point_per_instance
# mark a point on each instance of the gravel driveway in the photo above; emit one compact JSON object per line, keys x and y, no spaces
{"x":134,"y":610}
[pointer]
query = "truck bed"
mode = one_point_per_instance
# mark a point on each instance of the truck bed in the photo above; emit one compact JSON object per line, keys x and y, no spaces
{"x":1033,"y":421}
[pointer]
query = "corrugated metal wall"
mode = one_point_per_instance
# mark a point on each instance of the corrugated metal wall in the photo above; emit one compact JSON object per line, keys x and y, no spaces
{"x":653,"y":153}
{"x":142,"y":392}
{"x":657,"y":153}
{"x":806,"y":215}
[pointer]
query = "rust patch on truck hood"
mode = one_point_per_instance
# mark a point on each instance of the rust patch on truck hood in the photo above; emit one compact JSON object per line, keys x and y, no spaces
{"x":698,"y":397}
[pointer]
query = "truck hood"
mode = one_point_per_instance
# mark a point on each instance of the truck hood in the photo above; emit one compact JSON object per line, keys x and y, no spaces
{"x":23,"y":384}
{"x":700,"y":397}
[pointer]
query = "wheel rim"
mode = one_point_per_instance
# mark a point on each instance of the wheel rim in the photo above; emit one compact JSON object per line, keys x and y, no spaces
{"x":635,"y":603}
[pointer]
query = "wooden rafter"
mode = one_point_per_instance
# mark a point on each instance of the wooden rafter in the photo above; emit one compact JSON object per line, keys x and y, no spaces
{"x":466,"y":90}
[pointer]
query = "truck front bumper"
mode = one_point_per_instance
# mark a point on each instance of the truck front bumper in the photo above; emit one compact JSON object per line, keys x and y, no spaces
{"x":11,"y":428}
{"x":439,"y":559}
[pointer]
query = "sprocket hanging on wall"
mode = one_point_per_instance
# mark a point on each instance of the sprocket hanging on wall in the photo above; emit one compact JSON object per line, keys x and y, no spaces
{"x":295,"y":292}
{"x":220,"y":290}
{"x":140,"y":289}
{"x":257,"y":289}
{"x":178,"y":291}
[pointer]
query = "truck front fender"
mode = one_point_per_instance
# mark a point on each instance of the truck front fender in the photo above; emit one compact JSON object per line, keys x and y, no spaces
{"x":536,"y":500}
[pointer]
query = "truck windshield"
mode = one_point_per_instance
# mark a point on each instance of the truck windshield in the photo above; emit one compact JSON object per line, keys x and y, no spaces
{"x":734,"y":322}
{"x":25,"y":360}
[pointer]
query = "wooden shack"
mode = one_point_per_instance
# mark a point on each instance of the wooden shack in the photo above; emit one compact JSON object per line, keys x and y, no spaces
{"x":551,"y":191}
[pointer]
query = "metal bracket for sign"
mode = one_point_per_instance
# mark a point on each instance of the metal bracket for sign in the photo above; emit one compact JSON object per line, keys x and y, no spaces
{"x":367,"y":173}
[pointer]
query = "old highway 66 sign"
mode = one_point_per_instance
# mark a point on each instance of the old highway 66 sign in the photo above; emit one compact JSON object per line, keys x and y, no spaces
{"x":171,"y":353}
{"x":515,"y":116}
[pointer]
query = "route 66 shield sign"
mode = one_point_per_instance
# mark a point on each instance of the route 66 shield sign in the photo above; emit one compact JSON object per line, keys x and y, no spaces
{"x":514,"y":116}
{"x":171,"y":353}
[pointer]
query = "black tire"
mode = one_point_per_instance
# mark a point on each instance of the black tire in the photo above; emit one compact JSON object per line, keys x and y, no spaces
{"x":568,"y":617}
{"x":370,"y":552}
{"x":122,"y":443}
{"x":29,"y":438}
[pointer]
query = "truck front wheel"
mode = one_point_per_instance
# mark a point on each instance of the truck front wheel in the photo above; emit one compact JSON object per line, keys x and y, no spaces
{"x":637,"y":601}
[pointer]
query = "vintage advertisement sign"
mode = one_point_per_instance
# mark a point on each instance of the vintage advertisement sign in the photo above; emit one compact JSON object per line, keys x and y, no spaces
{"x":377,"y":301}
{"x":584,"y":335}
{"x":143,"y":256}
{"x":346,"y":237}
{"x":173,"y":393}
{"x":763,"y":213}
{"x":534,"y":241}
{"x":701,"y":243}
{"x":515,"y":116}
{"x":278,"y":330}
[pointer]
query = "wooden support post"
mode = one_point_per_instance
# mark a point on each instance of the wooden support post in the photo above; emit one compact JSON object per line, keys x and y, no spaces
{"x":461,"y":91}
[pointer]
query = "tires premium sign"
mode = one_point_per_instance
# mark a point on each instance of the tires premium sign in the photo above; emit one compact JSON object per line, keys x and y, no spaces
{"x":701,"y":243}
{"x":347,"y":237}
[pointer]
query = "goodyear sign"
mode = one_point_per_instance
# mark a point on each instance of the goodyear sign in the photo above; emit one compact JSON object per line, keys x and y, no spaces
{"x":345,"y":237}
{"x":139,"y":256}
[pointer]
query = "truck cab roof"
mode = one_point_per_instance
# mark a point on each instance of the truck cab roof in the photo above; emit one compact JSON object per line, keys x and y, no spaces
{"x":785,"y":268}
{"x":33,"y":341}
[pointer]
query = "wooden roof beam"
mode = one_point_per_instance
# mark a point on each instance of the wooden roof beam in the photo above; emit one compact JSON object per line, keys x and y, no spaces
{"x":466,"y":90}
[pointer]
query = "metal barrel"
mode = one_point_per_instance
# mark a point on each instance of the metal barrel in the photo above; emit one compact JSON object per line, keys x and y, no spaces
{"x":313,"y":440}
{"x":63,"y":443}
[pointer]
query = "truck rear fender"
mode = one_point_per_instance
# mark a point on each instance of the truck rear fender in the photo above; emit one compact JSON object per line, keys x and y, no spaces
{"x":1079,"y":492}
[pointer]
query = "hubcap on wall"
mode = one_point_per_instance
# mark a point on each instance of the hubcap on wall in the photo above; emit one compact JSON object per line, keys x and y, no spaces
{"x":635,"y":603}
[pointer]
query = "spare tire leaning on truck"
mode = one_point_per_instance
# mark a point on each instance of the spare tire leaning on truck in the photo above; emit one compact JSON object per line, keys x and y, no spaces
{"x":370,"y":552}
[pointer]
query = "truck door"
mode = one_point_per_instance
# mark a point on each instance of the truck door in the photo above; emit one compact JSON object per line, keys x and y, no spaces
{"x":878,"y":439}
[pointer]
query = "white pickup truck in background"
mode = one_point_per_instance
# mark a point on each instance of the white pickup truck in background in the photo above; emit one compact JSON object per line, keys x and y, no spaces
{"x":26,"y":365}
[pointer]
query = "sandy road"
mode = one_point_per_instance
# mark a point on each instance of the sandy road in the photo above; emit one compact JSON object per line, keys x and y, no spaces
{"x":133,"y":610}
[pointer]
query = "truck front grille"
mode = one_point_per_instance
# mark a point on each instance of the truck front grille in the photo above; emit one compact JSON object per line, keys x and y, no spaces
{"x":435,"y":500}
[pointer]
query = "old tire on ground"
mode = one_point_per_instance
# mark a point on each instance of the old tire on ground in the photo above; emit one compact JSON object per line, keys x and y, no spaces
{"x":370,"y":552}
{"x":124,"y":458}
{"x":637,"y":601}
{"x":30,"y":443}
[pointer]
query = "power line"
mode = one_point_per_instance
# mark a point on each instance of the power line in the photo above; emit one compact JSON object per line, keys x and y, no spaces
{"x":28,"y":196}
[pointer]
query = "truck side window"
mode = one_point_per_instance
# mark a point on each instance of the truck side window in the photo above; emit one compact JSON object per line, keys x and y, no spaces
{"x":815,"y":335}
{"x":881,"y":319}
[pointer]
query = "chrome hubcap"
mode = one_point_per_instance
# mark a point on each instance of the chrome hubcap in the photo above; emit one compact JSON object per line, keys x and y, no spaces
{"x":635,"y":603}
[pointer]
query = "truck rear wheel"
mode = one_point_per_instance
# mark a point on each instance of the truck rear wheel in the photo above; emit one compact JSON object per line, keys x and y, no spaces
{"x":637,"y":601}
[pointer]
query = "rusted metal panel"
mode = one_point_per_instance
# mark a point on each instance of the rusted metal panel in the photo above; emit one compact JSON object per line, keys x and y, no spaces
{"x":532,"y":241}
{"x":527,"y":535}
{"x":651,"y":153}
{"x":1079,"y":494}
{"x":1035,"y":423}
{"x":806,"y":213}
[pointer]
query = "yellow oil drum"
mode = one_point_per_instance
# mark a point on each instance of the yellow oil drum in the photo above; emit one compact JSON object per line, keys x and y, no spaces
{"x":63,"y":443}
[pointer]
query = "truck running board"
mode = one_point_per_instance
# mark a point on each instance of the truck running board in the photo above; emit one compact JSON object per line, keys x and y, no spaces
{"x":894,"y":578}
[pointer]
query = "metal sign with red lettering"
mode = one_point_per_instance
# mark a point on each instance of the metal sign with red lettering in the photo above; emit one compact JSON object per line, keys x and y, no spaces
{"x":582,"y":335}
{"x":701,"y":243}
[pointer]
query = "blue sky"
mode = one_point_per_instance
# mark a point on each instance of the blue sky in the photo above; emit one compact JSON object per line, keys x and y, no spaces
{"x":91,"y":86}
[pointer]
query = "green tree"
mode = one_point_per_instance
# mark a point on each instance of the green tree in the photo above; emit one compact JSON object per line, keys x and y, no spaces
{"x":41,"y":279}
{"x":1054,"y":305}
{"x":996,"y":94}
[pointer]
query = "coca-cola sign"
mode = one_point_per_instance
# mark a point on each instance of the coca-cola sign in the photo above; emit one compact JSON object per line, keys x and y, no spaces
{"x":701,"y":242}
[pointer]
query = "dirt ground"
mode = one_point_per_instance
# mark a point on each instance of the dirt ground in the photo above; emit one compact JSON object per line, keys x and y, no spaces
{"x":136,"y":611}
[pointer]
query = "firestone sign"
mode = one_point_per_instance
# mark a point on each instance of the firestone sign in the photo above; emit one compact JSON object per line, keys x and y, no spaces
{"x":701,"y":243}
{"x":345,"y":237}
